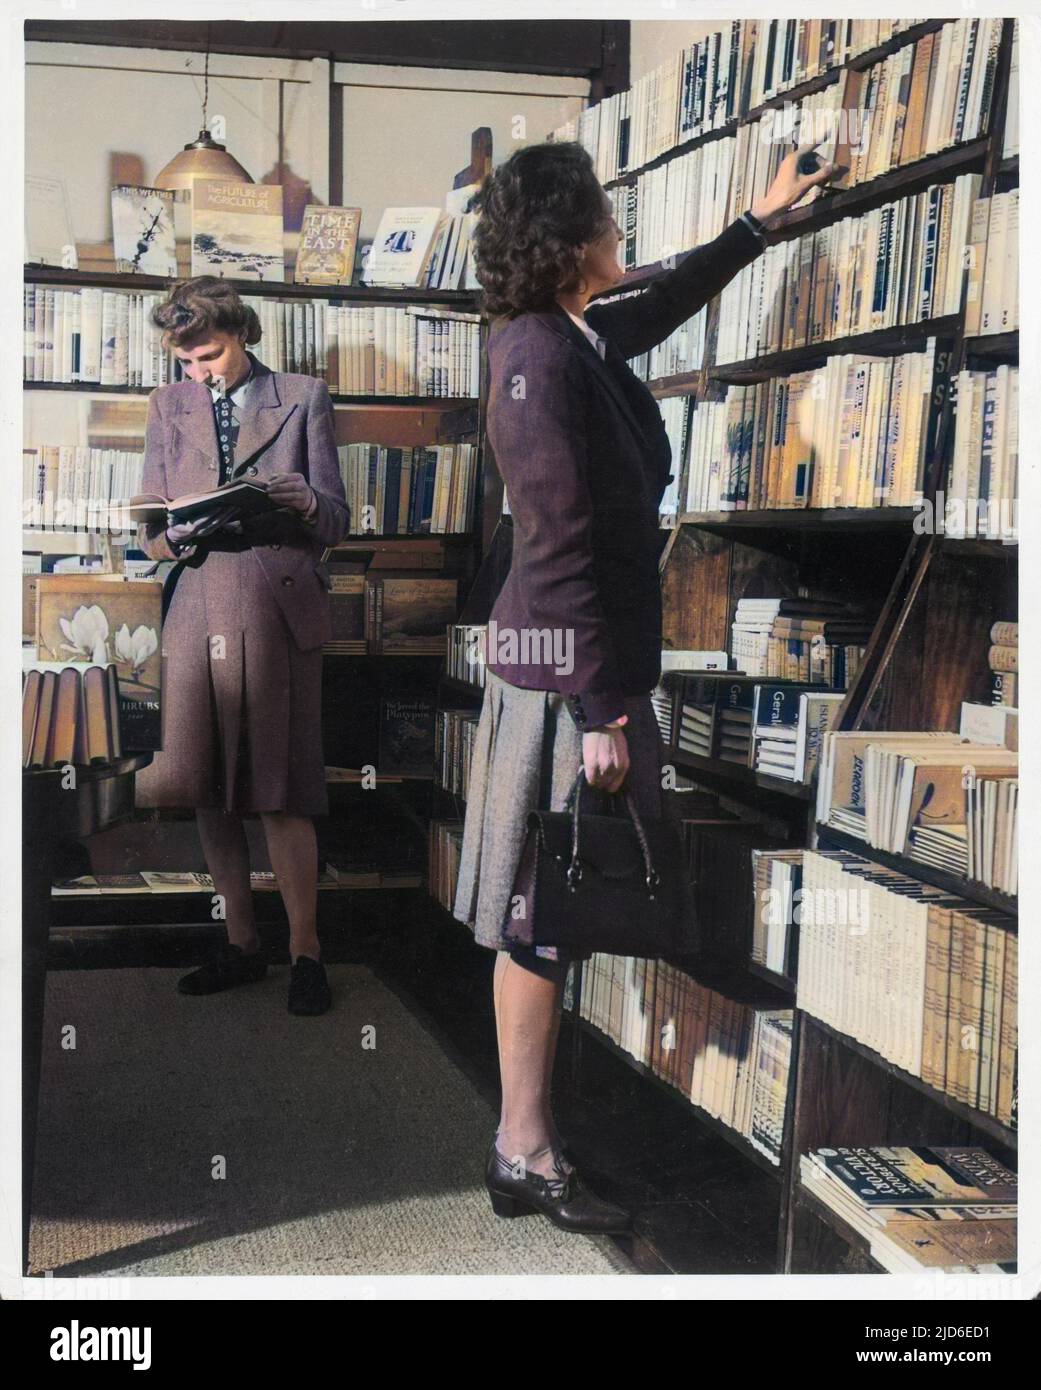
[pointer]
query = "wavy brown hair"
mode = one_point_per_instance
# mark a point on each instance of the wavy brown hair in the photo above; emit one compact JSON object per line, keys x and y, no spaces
{"x":195,"y":309}
{"x":536,"y":209}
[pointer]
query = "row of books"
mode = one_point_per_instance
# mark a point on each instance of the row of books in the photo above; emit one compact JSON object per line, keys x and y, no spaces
{"x":70,"y":715}
{"x":711,"y":82}
{"x":91,"y":335}
{"x":402,"y":614}
{"x":680,"y":204}
{"x":464,"y":653}
{"x":71,"y":487}
{"x":799,"y":639}
{"x":983,"y":488}
{"x":82,"y":620}
{"x":896,"y":264}
{"x":851,"y":433}
{"x":444,"y":845}
{"x":919,"y":975}
{"x":454,"y":733}
{"x":776,"y":894}
{"x":676,"y":412}
{"x":426,"y":246}
{"x":992,"y":256}
{"x":426,"y":488}
{"x":1003,"y":660}
{"x":682,"y":351}
{"x":775,"y":727}
{"x":927,"y":1207}
{"x":919,"y":793}
{"x":1010,"y":140}
{"x":728,"y":1057}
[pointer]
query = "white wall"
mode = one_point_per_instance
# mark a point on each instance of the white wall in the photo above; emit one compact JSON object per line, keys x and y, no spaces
{"x":97,"y":116}
{"x":653,"y":41}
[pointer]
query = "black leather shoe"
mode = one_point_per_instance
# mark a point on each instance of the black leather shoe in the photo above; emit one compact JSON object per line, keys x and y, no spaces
{"x":229,"y":967}
{"x":309,"y":991}
{"x":564,"y":1199}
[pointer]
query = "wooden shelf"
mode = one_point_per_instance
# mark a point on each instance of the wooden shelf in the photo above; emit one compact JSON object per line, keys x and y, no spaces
{"x":91,"y":388}
{"x":74,"y":542}
{"x":987,"y":1124}
{"x":736,"y":1140}
{"x":771,"y":977}
{"x":997,"y":347}
{"x":737,"y":774}
{"x":59,"y":275}
{"x":458,"y":687}
{"x":845,"y":519}
{"x":966,"y":888}
{"x":981,"y":546}
{"x":883,"y":342}
{"x":805,"y":1197}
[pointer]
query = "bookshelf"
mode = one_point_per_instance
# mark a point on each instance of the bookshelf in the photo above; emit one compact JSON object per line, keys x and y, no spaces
{"x":362,"y":679}
{"x":935,"y":596}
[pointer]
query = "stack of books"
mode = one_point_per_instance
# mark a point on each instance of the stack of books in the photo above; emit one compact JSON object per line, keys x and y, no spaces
{"x":992,"y":304}
{"x":465,"y":652}
{"x":454,"y":734}
{"x":94,"y":335}
{"x":789,"y":724}
{"x":105,"y":336}
{"x":1010,"y":147}
{"x":983,"y":492}
{"x":927,"y":1207}
{"x":706,"y":85}
{"x":921,"y":976}
{"x":1003,"y":660}
{"x":851,"y":433}
{"x":406,"y":491}
{"x":728,"y":1057}
{"x":777,"y":891}
{"x":70,"y":487}
{"x":406,"y":613}
{"x":70,"y":715}
{"x":682,"y":351}
{"x":445,"y":842}
{"x":801,"y":639}
{"x":912,"y":793}
{"x":896,"y":264}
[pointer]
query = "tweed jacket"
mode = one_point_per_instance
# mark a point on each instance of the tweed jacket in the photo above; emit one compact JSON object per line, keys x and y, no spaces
{"x":287,"y":427}
{"x":583,"y":454}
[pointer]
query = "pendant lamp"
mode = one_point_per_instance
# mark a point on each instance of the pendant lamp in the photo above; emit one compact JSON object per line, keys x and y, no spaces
{"x":203,"y":158}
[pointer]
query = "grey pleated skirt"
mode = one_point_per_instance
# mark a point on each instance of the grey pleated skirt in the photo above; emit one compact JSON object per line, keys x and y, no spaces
{"x":526,"y":756}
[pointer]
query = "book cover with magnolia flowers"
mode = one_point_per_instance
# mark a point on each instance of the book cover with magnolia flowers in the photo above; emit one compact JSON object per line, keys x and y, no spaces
{"x":99,"y":619}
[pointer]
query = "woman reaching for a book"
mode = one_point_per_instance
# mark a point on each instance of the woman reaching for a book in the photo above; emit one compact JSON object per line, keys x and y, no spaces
{"x":246,"y":613}
{"x":583,"y":454}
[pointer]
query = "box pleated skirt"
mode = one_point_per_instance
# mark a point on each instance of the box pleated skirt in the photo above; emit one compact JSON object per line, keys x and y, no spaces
{"x":526,"y":755}
{"x":241,"y":711}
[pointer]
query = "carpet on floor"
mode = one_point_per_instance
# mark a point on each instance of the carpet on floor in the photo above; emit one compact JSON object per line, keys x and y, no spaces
{"x":223,"y":1135}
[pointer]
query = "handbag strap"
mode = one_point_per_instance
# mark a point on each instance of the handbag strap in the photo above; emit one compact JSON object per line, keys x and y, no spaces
{"x":574,"y":869}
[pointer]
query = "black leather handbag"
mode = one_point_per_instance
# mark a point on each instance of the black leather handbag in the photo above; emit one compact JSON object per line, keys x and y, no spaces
{"x":611,"y":883}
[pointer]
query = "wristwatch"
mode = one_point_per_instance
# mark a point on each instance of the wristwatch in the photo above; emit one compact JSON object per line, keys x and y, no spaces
{"x":754,"y":224}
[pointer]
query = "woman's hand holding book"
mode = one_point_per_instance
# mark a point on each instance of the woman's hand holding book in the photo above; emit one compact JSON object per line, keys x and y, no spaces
{"x":789,"y":185}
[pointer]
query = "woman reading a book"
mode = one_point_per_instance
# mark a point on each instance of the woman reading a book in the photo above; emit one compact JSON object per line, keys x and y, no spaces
{"x":245,"y":620}
{"x":584,"y":457}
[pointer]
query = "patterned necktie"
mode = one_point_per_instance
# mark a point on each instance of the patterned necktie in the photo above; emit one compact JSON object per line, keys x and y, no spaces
{"x":222,"y":407}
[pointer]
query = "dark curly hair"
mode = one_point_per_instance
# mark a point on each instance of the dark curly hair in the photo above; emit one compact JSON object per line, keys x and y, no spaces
{"x":536,"y":209}
{"x":194,"y":309}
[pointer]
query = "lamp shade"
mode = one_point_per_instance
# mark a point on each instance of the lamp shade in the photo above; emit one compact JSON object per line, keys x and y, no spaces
{"x":202,"y":159}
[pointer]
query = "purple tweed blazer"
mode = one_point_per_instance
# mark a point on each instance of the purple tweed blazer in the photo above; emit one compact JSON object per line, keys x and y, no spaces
{"x":582,"y":450}
{"x":287,"y":427}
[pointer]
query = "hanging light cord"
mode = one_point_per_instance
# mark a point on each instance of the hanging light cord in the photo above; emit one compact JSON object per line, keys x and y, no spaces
{"x":206,"y":79}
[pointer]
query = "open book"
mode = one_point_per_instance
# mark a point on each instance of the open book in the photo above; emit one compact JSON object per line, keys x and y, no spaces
{"x":238,"y":499}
